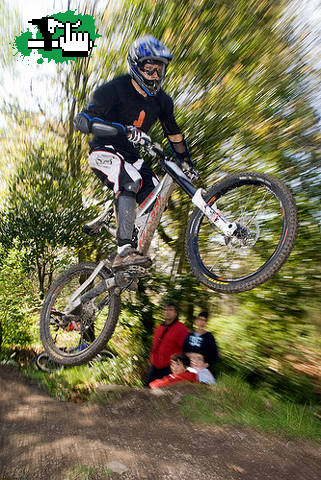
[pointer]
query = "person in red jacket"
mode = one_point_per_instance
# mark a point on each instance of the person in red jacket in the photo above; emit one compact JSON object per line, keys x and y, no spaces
{"x":180,"y":372}
{"x":168,"y":339}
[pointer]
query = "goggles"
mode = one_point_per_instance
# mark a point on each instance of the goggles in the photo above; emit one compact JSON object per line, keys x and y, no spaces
{"x":149,"y":67}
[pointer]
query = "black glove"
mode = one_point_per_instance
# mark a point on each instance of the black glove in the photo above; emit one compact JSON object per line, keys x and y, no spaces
{"x":187,"y":165}
{"x":185,"y":160}
{"x":137,"y":137}
{"x":82,"y":123}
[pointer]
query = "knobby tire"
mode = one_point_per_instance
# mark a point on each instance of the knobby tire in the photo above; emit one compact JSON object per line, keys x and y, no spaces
{"x":196,"y":233}
{"x":57,"y":353}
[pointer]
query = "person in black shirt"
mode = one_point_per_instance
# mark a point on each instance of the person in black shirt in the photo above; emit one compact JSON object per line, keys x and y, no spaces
{"x":201,"y":341}
{"x":131,"y":104}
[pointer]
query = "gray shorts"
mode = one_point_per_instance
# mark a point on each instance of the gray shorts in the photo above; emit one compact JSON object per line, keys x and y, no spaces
{"x":113,"y":170}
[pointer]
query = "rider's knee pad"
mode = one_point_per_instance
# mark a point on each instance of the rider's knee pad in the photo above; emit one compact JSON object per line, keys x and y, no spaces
{"x":131,"y":188}
{"x":124,"y":197}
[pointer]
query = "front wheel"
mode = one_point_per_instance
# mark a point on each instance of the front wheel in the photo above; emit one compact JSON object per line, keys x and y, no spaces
{"x":75,"y":338}
{"x":265,"y":214}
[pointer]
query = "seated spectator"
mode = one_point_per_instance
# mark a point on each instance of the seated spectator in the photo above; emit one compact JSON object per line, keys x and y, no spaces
{"x":200,"y":365}
{"x":180,"y":372}
{"x":202,"y":341}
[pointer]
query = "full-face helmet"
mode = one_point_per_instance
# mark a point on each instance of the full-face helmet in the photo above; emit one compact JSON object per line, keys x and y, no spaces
{"x":146,"y":56}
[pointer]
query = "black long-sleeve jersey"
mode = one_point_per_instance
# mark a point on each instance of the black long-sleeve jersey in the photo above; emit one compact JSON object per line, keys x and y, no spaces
{"x":204,"y":344}
{"x":119,"y":102}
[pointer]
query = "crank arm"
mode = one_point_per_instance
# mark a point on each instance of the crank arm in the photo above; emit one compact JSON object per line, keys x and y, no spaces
{"x":213,"y":214}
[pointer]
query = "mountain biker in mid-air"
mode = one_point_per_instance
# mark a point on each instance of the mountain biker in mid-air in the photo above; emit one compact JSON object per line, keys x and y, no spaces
{"x":131,"y":104}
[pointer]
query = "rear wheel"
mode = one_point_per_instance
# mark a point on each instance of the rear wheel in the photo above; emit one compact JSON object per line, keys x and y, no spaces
{"x":265,"y":213}
{"x":75,"y":338}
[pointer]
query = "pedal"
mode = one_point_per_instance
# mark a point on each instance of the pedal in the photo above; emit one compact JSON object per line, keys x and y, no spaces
{"x":145,"y":263}
{"x":136,"y":271}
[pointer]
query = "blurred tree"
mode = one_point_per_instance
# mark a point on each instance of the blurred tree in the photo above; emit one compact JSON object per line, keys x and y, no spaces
{"x":17,"y":300}
{"x":240,"y":80}
{"x":41,"y":214}
{"x":10,"y":25}
{"x":74,"y":82}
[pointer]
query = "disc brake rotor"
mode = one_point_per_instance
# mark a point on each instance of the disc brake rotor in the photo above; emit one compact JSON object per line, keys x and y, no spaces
{"x":244,"y":237}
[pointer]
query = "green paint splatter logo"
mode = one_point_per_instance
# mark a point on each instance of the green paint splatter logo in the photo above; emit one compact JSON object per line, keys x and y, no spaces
{"x":60,"y":37}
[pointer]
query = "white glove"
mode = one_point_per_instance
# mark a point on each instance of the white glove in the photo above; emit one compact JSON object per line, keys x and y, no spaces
{"x":137,"y":137}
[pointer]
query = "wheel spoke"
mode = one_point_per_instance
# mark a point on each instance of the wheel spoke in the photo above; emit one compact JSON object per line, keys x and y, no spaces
{"x":256,"y":209}
{"x":265,"y":216}
{"x":75,"y":337}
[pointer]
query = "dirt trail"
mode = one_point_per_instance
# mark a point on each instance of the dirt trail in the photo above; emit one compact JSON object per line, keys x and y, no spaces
{"x":43,"y":438}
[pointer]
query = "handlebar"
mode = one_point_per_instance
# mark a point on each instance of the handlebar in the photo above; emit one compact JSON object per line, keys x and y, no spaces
{"x":154,"y":149}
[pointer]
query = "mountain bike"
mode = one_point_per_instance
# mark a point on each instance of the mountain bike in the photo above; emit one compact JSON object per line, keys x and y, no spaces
{"x":239,"y":235}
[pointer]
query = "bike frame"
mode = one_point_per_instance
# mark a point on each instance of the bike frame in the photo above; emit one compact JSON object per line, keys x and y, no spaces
{"x":151,"y":209}
{"x":148,"y":217}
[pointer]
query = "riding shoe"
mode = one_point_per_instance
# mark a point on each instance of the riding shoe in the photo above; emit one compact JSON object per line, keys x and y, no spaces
{"x":130,"y":257}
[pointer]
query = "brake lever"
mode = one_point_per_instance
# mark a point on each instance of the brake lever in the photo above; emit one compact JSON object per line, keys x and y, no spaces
{"x":193,"y":175}
{"x":153,"y":149}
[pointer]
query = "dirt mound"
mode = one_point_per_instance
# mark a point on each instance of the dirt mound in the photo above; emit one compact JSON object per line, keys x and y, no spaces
{"x":134,"y":435}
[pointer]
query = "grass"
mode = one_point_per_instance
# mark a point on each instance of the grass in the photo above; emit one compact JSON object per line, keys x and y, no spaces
{"x":234,"y":402}
{"x":83,"y":472}
{"x":231,"y":402}
{"x":78,"y":383}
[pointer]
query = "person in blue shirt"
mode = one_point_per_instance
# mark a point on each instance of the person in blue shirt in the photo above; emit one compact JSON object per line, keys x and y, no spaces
{"x":201,"y":341}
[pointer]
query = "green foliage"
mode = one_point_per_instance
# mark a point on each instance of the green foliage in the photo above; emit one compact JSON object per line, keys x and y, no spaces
{"x":156,"y":289}
{"x":83,"y":472}
{"x":44,"y":199}
{"x":6,"y":358}
{"x":234,"y":402}
{"x":44,"y":212}
{"x":258,"y":348}
{"x":17,"y":302}
{"x":243,"y":90}
{"x":78,"y":383}
{"x":121,"y":371}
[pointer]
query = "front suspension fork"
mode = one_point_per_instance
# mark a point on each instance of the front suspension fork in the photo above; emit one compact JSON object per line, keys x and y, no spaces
{"x":214,"y":215}
{"x":211,"y":212}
